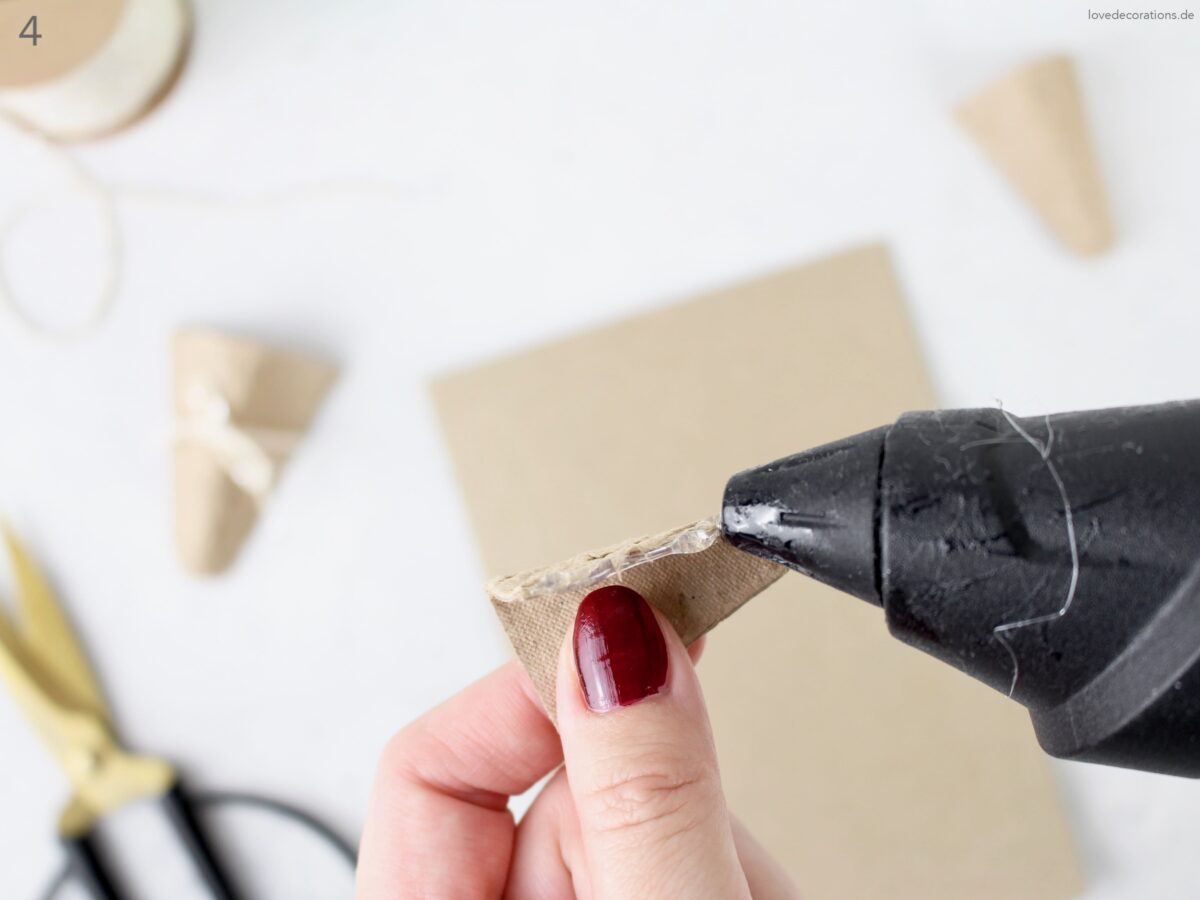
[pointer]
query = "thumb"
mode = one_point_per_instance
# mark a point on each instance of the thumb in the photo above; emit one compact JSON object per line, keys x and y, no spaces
{"x":640,"y":758}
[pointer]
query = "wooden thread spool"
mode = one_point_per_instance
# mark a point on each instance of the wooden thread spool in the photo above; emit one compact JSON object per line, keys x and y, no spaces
{"x":75,"y":69}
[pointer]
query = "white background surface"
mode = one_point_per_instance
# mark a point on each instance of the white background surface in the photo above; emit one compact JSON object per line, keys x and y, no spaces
{"x":554,"y":165}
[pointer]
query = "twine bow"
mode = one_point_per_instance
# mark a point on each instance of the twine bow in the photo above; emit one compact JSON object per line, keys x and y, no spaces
{"x":251,"y":455}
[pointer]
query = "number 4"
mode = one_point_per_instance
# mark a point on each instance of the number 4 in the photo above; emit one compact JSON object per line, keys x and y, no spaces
{"x":30,"y":31}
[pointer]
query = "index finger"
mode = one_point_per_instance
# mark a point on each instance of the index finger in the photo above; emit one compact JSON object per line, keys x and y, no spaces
{"x":438,"y":819}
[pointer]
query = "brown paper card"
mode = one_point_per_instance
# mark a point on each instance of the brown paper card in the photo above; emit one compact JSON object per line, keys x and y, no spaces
{"x":690,"y":574}
{"x":1031,"y":124}
{"x":230,"y":397}
{"x":867,"y":768}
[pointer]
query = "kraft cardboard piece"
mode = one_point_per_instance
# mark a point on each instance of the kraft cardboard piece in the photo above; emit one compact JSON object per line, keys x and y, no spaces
{"x":867,"y":768}
{"x":240,"y":408}
{"x":1031,"y":124}
{"x":691,"y":574}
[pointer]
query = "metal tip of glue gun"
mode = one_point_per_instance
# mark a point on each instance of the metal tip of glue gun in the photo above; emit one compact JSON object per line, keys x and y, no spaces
{"x":814,"y":512}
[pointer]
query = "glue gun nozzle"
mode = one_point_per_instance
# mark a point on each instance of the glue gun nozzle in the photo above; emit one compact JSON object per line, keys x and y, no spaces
{"x":814,"y":512}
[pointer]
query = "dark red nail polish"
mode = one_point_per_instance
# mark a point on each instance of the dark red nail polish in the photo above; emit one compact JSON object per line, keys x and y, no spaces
{"x":619,"y":648}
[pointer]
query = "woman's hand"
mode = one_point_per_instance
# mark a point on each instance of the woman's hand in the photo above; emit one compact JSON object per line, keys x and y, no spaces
{"x":637,"y":811}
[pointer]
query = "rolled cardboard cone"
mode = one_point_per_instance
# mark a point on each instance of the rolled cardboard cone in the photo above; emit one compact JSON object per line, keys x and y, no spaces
{"x":240,"y":406}
{"x":213,"y":516}
{"x":1031,"y":124}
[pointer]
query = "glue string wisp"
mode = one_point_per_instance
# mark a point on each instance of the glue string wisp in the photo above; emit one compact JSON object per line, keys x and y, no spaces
{"x":1001,"y":631}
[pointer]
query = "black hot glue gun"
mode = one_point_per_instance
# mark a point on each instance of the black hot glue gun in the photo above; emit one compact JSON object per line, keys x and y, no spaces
{"x":1055,"y":558}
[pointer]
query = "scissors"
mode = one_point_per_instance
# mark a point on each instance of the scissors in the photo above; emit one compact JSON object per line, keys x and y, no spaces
{"x":45,"y":669}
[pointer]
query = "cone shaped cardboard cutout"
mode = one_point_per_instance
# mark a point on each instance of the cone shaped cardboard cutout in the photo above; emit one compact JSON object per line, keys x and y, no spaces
{"x":240,"y":408}
{"x":1031,"y":124}
{"x":692,"y":575}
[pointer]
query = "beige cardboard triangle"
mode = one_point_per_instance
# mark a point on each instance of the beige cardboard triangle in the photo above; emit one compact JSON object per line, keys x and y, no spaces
{"x":690,"y":574}
{"x":240,"y":408}
{"x":869,"y":769}
{"x":1031,"y":124}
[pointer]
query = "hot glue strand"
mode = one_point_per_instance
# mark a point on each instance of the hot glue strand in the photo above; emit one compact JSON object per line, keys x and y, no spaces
{"x":1000,"y":631}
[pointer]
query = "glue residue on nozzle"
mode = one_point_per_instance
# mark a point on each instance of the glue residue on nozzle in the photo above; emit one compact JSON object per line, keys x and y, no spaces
{"x":596,"y":566}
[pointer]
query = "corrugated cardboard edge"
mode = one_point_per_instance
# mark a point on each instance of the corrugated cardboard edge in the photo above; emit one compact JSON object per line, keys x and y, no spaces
{"x":694,"y":591}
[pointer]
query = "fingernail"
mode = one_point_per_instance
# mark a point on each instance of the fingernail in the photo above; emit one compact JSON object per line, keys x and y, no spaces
{"x":619,"y":648}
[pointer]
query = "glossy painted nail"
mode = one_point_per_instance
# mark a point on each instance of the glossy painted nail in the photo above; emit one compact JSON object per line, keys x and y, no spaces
{"x":619,"y":648}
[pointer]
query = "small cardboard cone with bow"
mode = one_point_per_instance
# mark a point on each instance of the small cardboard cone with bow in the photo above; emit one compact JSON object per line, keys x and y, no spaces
{"x":1031,"y":124}
{"x":240,"y":409}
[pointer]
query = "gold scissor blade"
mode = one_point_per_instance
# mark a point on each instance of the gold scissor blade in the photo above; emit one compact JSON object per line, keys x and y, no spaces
{"x":46,"y":638}
{"x":105,"y":778}
{"x":58,"y":727}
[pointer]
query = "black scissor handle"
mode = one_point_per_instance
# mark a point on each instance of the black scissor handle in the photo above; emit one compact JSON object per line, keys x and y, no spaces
{"x":88,"y":867}
{"x":183,"y":816}
{"x":85,"y":865}
{"x":180,"y":806}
